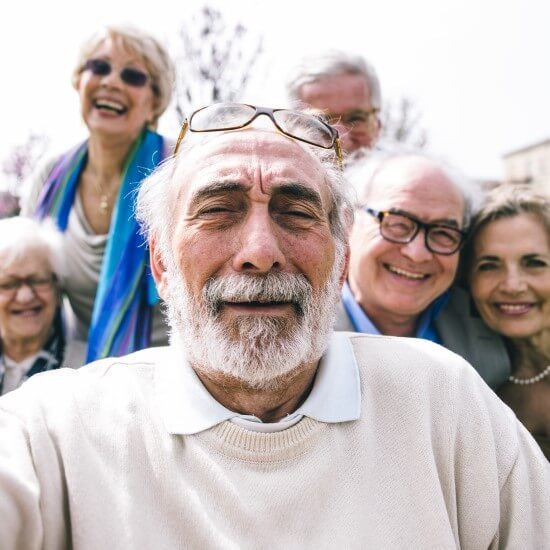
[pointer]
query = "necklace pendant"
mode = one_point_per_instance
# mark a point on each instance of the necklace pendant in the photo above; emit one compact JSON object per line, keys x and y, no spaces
{"x":103,"y":204}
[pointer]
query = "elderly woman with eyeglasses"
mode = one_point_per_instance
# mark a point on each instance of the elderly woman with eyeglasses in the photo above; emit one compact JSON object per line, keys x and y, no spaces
{"x":34,"y":337}
{"x":508,"y":265}
{"x":124,"y":79}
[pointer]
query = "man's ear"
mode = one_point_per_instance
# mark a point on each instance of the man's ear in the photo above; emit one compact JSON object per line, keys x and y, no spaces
{"x":158,"y":269}
{"x":345,"y":267}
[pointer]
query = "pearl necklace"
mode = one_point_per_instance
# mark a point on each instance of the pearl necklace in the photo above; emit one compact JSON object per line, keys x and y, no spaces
{"x":532,"y":380}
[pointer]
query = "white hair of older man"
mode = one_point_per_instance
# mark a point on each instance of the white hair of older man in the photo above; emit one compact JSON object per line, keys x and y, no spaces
{"x":21,"y":237}
{"x":156,"y":201}
{"x":332,"y":63}
{"x":362,"y":168}
{"x":260,"y":350}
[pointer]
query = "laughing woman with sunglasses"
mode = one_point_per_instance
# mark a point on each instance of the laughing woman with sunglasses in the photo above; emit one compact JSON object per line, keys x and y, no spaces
{"x":124,"y":80}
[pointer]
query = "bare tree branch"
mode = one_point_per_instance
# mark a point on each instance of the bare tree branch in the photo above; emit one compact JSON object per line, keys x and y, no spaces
{"x":22,"y":160}
{"x":401,"y":122}
{"x":216,"y":62}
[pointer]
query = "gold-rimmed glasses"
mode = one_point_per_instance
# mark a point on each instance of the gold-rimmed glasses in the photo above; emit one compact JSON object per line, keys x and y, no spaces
{"x":303,"y":127}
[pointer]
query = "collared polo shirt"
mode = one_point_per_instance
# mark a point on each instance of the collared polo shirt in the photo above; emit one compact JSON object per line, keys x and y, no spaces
{"x":361,"y":323}
{"x":188,"y":408}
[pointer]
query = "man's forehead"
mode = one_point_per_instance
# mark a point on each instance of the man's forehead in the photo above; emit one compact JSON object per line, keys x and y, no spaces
{"x":407,"y":174}
{"x":345,"y":90}
{"x":415,"y":183}
{"x":241,"y":154}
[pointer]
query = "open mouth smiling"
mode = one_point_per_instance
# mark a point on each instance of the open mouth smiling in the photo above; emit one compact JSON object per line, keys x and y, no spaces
{"x":513,"y":309}
{"x":110,"y":106}
{"x":27,"y":312}
{"x":406,"y":274}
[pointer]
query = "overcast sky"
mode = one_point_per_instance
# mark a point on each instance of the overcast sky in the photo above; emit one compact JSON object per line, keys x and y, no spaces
{"x":478,"y":70}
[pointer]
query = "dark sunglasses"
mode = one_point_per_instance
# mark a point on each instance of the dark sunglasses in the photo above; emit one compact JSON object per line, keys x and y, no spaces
{"x":132,"y":77}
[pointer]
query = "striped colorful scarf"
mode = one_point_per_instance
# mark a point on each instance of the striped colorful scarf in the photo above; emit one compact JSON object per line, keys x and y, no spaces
{"x":126,"y":293}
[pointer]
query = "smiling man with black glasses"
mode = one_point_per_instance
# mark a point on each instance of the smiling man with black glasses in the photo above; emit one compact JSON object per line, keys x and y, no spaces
{"x":410,"y":225}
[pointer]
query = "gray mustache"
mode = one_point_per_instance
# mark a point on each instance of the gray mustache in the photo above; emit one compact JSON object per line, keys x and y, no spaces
{"x":273,"y":287}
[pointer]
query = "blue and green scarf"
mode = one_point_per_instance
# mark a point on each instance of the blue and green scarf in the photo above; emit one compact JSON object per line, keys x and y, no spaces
{"x":121,"y":318}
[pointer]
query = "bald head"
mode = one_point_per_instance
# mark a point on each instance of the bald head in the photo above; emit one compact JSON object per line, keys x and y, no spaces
{"x":383,"y":173}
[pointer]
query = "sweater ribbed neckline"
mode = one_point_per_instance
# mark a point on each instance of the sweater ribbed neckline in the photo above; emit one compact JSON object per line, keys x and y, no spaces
{"x":235,"y":441}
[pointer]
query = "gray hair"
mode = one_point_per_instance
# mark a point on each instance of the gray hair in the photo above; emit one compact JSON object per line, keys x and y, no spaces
{"x":362,"y":169}
{"x":20,"y":237}
{"x":148,"y":49}
{"x":333,"y":63}
{"x":155,"y":205}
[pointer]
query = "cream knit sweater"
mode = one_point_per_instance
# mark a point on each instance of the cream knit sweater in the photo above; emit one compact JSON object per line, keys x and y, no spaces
{"x":435,"y":461}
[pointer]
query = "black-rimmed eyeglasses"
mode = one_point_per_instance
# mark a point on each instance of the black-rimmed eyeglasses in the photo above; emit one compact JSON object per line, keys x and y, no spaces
{"x":10,"y":287}
{"x":400,"y":228}
{"x":303,"y":127}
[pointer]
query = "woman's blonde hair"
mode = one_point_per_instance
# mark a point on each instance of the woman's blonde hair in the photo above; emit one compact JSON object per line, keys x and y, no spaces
{"x":150,"y":51}
{"x":506,"y":200}
{"x":511,"y":199}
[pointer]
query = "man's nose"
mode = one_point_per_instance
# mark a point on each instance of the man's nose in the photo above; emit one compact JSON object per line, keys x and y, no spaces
{"x":259,"y":248}
{"x":416,"y":249}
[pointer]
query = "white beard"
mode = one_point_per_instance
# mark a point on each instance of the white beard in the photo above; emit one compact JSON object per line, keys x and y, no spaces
{"x":261,"y":351}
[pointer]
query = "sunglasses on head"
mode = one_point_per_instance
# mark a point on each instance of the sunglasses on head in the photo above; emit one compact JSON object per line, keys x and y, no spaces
{"x":132,"y":77}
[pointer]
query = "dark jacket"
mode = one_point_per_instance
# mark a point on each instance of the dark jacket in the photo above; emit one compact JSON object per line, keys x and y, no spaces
{"x":461,"y":330}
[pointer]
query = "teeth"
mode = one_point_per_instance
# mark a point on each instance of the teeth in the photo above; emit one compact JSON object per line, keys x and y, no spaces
{"x":408,"y":274}
{"x":514,"y":308}
{"x":27,"y":312}
{"x":107,"y":104}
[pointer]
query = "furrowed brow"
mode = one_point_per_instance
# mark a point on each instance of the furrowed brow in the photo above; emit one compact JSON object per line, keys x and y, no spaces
{"x":299,"y":191}
{"x":215,"y":190}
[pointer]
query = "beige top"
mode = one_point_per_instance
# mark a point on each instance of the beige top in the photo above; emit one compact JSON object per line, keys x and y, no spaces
{"x":95,"y":458}
{"x":84,"y":252}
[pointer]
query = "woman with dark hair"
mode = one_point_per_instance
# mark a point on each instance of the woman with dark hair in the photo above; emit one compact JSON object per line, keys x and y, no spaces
{"x":124,"y":80}
{"x":508,"y":264}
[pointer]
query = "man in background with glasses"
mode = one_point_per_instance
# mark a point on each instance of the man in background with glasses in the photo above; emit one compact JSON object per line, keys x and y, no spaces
{"x":343,"y":87}
{"x":258,"y":427}
{"x":409,"y":227}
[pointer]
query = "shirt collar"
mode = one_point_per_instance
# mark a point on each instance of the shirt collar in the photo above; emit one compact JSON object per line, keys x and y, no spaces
{"x":362,"y":323}
{"x":188,"y":408}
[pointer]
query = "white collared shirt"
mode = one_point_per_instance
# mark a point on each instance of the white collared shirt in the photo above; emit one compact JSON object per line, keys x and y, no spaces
{"x":188,"y":407}
{"x":13,"y":373}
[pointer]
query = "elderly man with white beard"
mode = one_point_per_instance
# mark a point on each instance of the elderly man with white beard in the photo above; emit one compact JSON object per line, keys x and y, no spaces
{"x":257,"y":427}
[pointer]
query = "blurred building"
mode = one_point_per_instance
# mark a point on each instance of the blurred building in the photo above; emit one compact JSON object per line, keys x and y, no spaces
{"x":529,"y":164}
